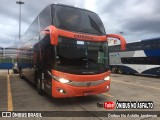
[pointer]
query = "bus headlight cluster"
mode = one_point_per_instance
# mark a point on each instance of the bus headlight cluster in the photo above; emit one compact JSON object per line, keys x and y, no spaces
{"x":62,"y":80}
{"x":107,"y":78}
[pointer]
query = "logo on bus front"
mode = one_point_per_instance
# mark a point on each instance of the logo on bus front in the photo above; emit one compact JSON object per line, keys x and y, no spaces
{"x":83,"y":37}
{"x":89,"y":84}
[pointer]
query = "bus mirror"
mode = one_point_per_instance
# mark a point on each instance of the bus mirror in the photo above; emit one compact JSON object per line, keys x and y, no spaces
{"x":53,"y":35}
{"x":122,"y":40}
{"x":52,"y":31}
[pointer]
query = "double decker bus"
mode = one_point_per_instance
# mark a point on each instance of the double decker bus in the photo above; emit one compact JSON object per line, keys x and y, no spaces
{"x":1,"y":57}
{"x":7,"y":58}
{"x":65,"y":52}
{"x":10,"y":53}
{"x":141,"y":57}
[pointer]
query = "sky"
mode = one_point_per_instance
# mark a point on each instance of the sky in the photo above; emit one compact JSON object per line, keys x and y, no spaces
{"x":134,"y":19}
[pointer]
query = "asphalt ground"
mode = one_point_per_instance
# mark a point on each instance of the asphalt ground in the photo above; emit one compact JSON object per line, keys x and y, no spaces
{"x":20,"y":95}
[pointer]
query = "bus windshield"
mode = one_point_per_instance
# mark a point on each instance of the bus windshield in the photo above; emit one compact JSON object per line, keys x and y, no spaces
{"x":81,"y":57}
{"x":74,"y":19}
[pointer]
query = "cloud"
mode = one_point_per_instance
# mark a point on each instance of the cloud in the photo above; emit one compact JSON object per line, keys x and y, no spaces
{"x":137,"y":19}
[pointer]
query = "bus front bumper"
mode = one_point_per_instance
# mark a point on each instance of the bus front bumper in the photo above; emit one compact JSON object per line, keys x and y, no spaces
{"x":60,"y":90}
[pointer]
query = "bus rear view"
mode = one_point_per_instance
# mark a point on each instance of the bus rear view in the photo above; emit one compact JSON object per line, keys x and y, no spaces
{"x":71,"y":56}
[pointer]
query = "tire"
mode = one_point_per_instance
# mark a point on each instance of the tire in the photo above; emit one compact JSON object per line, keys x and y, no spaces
{"x":120,"y":71}
{"x":128,"y":73}
{"x":113,"y":70}
{"x":15,"y":71}
{"x":20,"y":74}
{"x":39,"y":86}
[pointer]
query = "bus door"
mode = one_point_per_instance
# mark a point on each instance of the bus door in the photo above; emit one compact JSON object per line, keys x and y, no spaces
{"x":48,"y":66}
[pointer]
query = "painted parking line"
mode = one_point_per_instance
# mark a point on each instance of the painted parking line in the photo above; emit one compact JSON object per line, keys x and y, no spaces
{"x":10,"y":103}
{"x":145,"y":86}
{"x":108,"y":95}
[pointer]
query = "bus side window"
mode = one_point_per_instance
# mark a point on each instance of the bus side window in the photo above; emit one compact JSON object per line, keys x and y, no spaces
{"x":45,"y":18}
{"x":154,"y":44}
{"x":139,"y":46}
{"x":158,"y":43}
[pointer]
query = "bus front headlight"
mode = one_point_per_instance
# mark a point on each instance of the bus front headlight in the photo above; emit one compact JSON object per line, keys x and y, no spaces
{"x":107,"y":78}
{"x":62,"y":80}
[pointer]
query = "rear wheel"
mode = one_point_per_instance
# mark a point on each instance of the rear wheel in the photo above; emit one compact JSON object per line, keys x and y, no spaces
{"x":120,"y":71}
{"x":39,"y":86}
{"x":128,"y":73}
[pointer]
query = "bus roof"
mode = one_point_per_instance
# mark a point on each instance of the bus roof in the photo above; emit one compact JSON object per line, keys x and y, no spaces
{"x":60,"y":4}
{"x":157,"y":38}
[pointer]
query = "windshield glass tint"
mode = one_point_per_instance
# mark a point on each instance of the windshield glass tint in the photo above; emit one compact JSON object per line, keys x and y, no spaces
{"x":79,"y":20}
{"x":82,"y":57}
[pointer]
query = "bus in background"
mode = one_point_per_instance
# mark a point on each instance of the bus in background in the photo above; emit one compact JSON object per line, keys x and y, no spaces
{"x":65,"y":52}
{"x":6,"y":61}
{"x":142,"y":57}
{"x":1,"y":57}
{"x":1,"y":52}
{"x":10,"y":53}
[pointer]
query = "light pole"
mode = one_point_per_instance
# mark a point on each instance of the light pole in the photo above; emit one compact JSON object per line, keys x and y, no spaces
{"x":20,"y":3}
{"x":121,"y":33}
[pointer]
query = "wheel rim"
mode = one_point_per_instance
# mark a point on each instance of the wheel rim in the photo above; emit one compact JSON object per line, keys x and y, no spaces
{"x":113,"y":70}
{"x":120,"y":71}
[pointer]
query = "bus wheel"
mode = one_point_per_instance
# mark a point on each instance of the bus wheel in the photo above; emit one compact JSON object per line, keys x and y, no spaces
{"x":20,"y":74}
{"x":113,"y":70}
{"x":39,"y":86}
{"x":128,"y":73}
{"x":120,"y":71}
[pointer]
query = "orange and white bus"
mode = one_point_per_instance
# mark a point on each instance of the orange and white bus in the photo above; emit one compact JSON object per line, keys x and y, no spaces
{"x":65,"y":52}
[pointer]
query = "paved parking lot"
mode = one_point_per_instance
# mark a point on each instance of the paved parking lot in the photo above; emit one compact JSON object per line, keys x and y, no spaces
{"x":19,"y":95}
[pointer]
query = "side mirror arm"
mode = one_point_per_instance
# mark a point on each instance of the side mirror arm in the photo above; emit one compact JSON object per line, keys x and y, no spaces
{"x":53,"y":32}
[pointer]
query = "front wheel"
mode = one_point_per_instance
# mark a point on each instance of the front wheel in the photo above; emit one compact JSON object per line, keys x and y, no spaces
{"x":39,"y":86}
{"x":113,"y":70}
